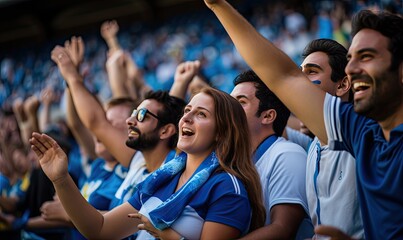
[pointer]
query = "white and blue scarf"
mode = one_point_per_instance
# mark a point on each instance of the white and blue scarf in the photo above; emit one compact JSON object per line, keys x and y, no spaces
{"x":165,"y":214}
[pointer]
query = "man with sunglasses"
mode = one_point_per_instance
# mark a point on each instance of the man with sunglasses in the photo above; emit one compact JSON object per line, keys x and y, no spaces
{"x":153,"y":129}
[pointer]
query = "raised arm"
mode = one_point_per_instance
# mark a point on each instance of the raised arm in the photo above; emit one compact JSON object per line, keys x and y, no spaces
{"x":47,"y":99}
{"x":135,"y":82}
{"x":31,"y":106}
{"x":184,"y":74}
{"x":91,"y":223}
{"x":75,"y":48}
{"x":274,"y":67}
{"x":115,"y":64}
{"x":109,"y":31}
{"x":91,"y":111}
{"x":22,"y":121}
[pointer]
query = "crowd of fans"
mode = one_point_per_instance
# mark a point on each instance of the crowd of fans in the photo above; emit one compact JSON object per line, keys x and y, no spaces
{"x":26,"y":72}
{"x":35,"y":97}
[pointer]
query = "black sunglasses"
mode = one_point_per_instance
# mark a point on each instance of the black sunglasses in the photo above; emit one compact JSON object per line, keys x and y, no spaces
{"x":140,"y":114}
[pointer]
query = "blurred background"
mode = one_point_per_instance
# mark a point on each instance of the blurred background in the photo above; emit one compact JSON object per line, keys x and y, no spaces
{"x":159,"y":34}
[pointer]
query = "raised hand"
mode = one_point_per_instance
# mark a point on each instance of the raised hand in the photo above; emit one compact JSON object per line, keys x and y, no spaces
{"x":186,"y":71}
{"x":65,"y":64}
{"x":52,"y":158}
{"x":31,"y":105}
{"x":47,"y":96}
{"x":109,"y":29}
{"x":75,"y":49}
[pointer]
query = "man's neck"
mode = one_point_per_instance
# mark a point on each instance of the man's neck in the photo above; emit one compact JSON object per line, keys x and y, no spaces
{"x":259,"y":138}
{"x":155,"y":157}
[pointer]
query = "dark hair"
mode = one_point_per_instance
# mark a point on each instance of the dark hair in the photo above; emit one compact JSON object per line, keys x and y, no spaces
{"x":267,"y":100}
{"x":335,"y":52}
{"x":234,"y":151}
{"x":389,"y":25}
{"x":171,"y":113}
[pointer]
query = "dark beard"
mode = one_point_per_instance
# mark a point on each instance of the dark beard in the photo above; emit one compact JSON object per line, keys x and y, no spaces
{"x":144,"y":141}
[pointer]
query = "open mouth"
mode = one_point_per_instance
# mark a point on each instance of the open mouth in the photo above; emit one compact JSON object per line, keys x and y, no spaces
{"x":361,"y":86}
{"x":133,"y":132}
{"x":187,"y":132}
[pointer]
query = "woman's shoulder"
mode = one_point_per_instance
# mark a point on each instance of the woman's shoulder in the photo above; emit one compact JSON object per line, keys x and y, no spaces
{"x":225,"y":183}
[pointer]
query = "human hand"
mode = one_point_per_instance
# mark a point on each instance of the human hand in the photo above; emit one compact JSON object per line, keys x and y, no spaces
{"x":52,"y":158}
{"x":109,"y":29}
{"x":65,"y":64}
{"x":75,"y":49}
{"x":31,"y":105}
{"x":53,"y":210}
{"x":47,"y":96}
{"x":332,"y":232}
{"x":145,"y":224}
{"x":18,"y":109}
{"x":185,"y":71}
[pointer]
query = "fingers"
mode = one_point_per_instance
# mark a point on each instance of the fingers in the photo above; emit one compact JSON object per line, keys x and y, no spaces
{"x":142,"y":226}
{"x":135,"y":215}
{"x":41,"y":143}
{"x":75,"y":48}
{"x":37,"y":145}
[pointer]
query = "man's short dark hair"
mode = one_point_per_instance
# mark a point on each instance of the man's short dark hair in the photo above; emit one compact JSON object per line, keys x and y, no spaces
{"x":389,"y":25}
{"x":335,"y":52}
{"x":267,"y":100}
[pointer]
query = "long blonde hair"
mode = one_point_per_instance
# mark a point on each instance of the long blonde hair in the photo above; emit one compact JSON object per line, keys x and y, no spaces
{"x":234,"y":152}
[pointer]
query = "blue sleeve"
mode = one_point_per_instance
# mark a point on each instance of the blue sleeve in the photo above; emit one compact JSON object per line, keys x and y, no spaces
{"x":135,"y":200}
{"x":343,"y":125}
{"x":229,"y":204}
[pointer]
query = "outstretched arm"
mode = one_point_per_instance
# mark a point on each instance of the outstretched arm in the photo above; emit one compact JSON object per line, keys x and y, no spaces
{"x":274,"y":67}
{"x":90,"y":110}
{"x":91,"y":223}
{"x":115,"y":64}
{"x":75,"y":48}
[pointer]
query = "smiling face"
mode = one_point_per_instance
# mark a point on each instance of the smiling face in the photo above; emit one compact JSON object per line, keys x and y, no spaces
{"x":377,"y":89}
{"x":144,"y":135}
{"x":197,"y":127}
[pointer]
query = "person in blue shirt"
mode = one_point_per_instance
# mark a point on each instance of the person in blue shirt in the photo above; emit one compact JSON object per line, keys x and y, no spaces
{"x":371,"y":129}
{"x":209,"y":191}
{"x":330,"y":175}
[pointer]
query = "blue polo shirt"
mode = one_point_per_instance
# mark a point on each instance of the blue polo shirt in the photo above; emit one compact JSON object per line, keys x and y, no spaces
{"x":379,"y":166}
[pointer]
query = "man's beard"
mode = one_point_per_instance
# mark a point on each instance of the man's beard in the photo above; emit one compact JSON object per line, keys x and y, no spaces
{"x":144,"y":141}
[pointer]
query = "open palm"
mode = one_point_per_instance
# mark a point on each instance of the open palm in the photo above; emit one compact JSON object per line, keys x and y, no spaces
{"x":52,"y":158}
